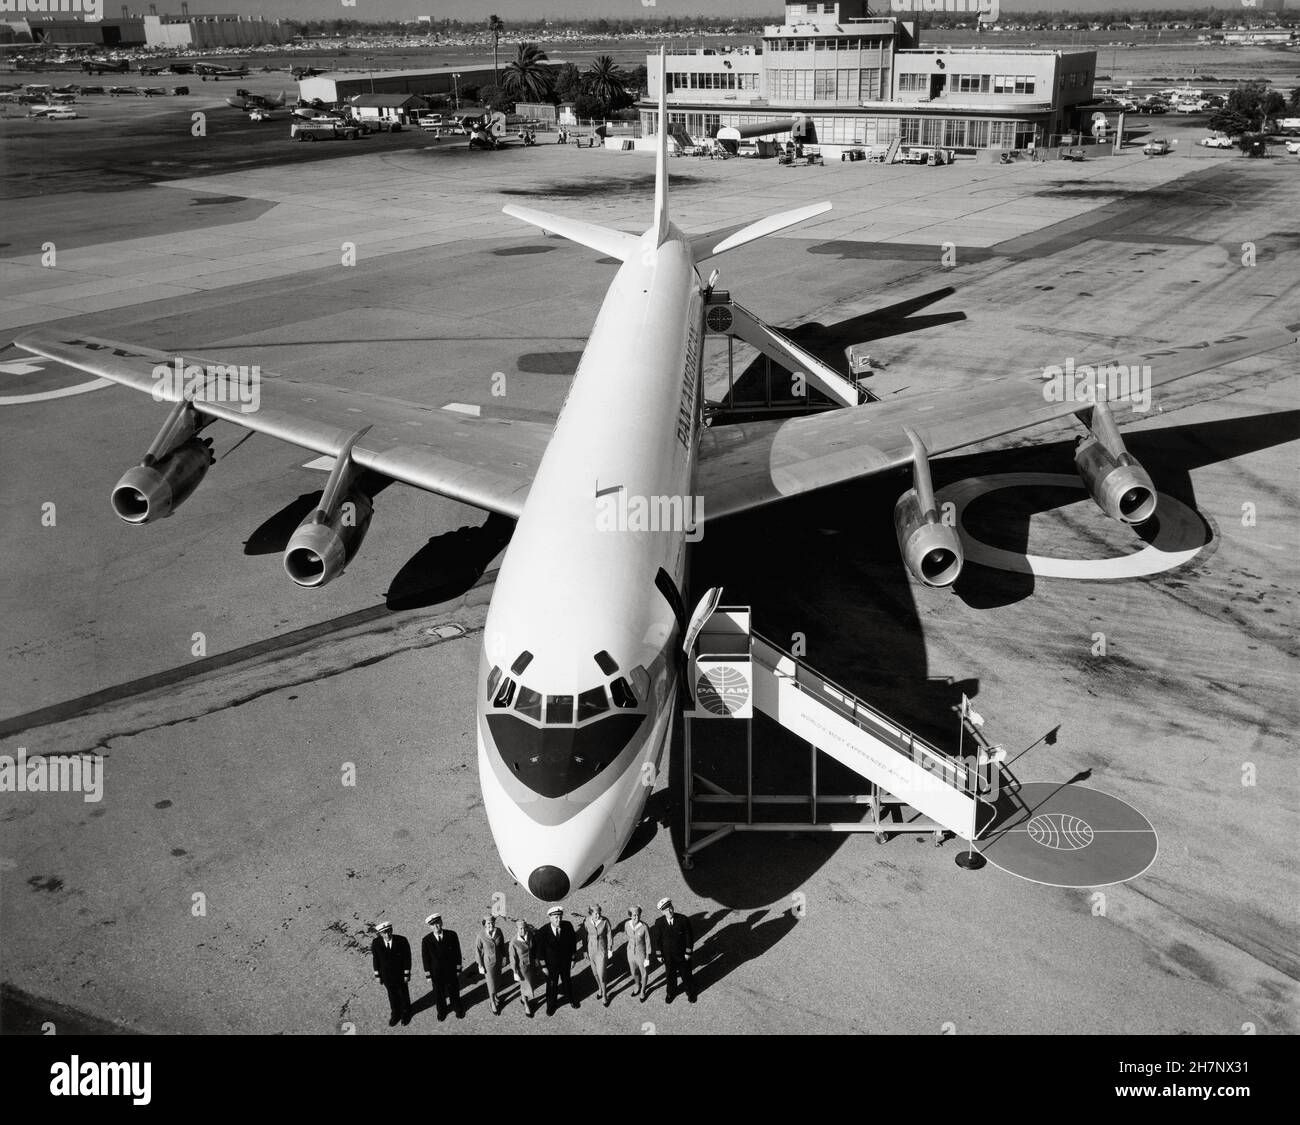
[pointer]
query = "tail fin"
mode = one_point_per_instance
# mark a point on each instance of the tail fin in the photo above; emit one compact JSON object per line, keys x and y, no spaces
{"x":661,"y":159}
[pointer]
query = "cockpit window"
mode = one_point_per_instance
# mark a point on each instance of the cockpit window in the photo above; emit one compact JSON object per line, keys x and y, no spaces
{"x":529,"y":703}
{"x":505,"y":695}
{"x":592,"y":703}
{"x":494,"y":678}
{"x":559,"y":709}
{"x":622,"y":692}
{"x":524,"y":659}
{"x":606,"y":663}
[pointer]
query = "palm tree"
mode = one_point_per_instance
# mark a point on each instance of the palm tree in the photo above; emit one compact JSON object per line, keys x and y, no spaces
{"x":526,"y":79}
{"x":606,"y":82}
{"x":496,"y":25}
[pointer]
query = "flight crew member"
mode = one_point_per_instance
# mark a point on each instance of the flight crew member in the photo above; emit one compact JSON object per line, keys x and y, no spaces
{"x":556,"y":944}
{"x":523,"y":965}
{"x":391,"y":956}
{"x":600,"y":940}
{"x":490,"y":953}
{"x":638,"y":951}
{"x":674,"y":940}
{"x":442,"y":963}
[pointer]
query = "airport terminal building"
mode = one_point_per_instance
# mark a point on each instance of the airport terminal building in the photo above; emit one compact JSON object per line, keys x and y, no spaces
{"x":863,"y":80}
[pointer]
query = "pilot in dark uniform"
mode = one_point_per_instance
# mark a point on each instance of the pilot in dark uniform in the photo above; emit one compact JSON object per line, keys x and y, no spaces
{"x":556,"y":943}
{"x":391,"y":955}
{"x":440,"y":951}
{"x":674,"y":939}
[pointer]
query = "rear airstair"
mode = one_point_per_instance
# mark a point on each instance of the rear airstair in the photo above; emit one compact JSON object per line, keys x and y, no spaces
{"x":918,"y":787}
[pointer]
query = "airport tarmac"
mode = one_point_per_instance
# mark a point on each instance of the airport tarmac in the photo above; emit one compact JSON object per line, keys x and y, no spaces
{"x":229,"y":704}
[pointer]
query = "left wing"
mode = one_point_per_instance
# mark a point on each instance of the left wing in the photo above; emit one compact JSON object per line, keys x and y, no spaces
{"x":747,"y":466}
{"x":486,"y":462}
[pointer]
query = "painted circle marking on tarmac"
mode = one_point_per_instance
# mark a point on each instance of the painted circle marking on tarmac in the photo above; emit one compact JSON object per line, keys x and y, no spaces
{"x":1176,"y":525}
{"x":60,"y":392}
{"x":1068,"y":836}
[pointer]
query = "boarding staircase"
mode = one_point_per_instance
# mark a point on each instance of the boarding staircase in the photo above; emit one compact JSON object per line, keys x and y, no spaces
{"x":917,"y":786}
{"x":724,"y":316}
{"x":892,"y":154}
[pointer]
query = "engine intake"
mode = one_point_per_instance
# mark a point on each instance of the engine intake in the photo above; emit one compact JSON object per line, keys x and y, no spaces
{"x":1119,"y":485}
{"x":931,"y":549}
{"x":324,"y":544}
{"x":154,"y":490}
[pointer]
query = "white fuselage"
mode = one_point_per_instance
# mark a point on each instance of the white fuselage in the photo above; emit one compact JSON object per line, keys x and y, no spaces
{"x":564,"y":789}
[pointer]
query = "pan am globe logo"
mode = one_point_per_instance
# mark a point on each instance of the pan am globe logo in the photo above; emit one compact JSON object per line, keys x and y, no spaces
{"x":93,"y":10}
{"x":722,"y":689}
{"x":986,"y":10}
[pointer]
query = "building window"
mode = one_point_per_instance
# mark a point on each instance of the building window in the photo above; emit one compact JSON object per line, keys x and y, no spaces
{"x":913,"y":82}
{"x":909,"y":130}
{"x":871,"y":82}
{"x":977,"y":134}
{"x":823,"y":85}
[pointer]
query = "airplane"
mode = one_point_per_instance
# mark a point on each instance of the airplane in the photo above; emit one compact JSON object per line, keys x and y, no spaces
{"x":489,"y":132}
{"x":249,"y":102}
{"x":211,"y":70}
{"x":172,"y":67}
{"x":304,"y":72}
{"x":587,"y":634}
{"x":107,"y":66}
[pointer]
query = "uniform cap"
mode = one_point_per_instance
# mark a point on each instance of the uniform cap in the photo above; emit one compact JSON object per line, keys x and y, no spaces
{"x":665,"y":903}
{"x":380,"y":927}
{"x":429,"y":921}
{"x":553,"y":911}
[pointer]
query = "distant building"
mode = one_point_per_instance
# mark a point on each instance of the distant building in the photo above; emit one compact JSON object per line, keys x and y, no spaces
{"x":389,"y":108}
{"x":174,"y":32}
{"x":860,"y":80}
{"x":443,"y":80}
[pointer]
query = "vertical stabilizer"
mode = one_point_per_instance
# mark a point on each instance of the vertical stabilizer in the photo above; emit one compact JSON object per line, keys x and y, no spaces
{"x":661,"y":157}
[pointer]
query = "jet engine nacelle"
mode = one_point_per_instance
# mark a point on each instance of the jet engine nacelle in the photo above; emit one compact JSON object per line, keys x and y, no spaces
{"x":324,"y":543}
{"x":155,"y":489}
{"x":1119,"y":485}
{"x":931,"y":549}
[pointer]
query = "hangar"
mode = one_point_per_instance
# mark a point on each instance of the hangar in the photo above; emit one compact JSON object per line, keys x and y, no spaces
{"x":340,"y":86}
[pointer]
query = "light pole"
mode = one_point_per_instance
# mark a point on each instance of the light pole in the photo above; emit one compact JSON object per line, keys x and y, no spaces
{"x":455,"y":82}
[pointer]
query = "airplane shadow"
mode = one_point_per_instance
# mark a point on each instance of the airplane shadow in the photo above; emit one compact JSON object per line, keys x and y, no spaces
{"x":449,"y":564}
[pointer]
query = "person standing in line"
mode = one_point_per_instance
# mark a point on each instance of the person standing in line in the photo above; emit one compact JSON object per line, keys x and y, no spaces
{"x":440,"y":952}
{"x":390,"y":955}
{"x":524,"y":966}
{"x":556,"y":944}
{"x":600,"y":940}
{"x":638,"y":951}
{"x":490,"y":953}
{"x":674,"y":940}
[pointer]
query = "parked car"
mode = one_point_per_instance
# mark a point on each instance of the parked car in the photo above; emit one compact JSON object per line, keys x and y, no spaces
{"x":1157,"y":146}
{"x":1216,"y":142}
{"x":62,"y":113}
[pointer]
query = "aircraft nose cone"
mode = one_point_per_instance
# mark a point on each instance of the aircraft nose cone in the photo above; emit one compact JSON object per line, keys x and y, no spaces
{"x":550,"y":884}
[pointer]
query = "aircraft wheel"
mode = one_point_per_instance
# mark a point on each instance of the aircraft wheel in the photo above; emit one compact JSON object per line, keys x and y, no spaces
{"x":687,"y":863}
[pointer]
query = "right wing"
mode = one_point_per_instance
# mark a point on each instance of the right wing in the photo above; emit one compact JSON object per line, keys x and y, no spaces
{"x":743,"y":467}
{"x":486,"y":462}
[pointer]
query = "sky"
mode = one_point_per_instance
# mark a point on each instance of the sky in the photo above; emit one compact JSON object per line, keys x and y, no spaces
{"x":515,"y":9}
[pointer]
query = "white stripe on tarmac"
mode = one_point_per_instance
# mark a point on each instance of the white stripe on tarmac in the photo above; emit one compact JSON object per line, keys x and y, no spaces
{"x":62,"y":392}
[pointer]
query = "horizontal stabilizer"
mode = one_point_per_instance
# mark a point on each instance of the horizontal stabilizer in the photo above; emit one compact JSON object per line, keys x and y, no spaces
{"x":702,"y":249}
{"x":615,"y":243}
